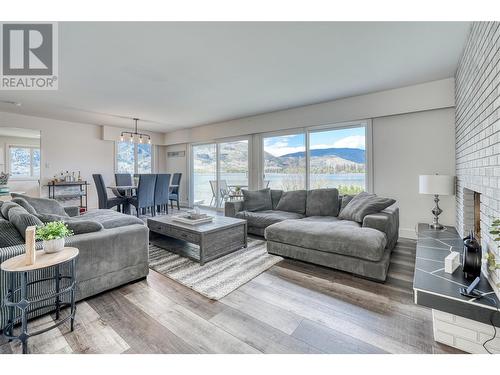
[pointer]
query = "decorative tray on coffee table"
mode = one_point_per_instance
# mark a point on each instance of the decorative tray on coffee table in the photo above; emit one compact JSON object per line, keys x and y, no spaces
{"x":192,"y":219}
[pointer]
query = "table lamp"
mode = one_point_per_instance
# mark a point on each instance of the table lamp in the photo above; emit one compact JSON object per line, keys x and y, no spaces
{"x":436,"y":185}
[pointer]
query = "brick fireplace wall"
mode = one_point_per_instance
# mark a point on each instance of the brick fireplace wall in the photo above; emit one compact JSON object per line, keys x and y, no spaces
{"x":477,"y":133}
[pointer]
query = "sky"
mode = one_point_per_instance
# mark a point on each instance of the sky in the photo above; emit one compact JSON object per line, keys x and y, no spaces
{"x":341,"y":138}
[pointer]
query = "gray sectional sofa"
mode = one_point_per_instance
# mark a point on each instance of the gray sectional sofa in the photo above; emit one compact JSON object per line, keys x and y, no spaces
{"x":113,"y":246}
{"x":321,"y":227}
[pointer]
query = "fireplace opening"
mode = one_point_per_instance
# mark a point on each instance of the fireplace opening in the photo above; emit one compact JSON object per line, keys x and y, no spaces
{"x":477,"y":216}
{"x":472,"y":213}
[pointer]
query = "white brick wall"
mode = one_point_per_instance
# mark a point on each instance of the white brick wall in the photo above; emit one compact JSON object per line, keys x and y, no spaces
{"x":478,"y":127}
{"x":464,"y":334}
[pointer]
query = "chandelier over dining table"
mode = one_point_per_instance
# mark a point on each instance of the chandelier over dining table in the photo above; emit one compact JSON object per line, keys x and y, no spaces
{"x":135,"y":136}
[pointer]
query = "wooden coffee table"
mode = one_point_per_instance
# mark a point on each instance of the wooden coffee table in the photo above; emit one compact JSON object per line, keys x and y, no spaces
{"x":202,"y":242}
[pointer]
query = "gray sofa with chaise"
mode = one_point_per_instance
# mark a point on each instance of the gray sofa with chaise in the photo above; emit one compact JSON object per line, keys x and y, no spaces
{"x":113,"y":246}
{"x":352,"y":234}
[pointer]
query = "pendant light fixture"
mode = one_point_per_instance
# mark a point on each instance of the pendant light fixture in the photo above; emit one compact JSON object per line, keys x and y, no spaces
{"x":135,"y":136}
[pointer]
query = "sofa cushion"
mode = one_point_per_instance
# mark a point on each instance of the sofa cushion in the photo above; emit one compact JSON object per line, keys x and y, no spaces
{"x":43,"y":205}
{"x":293,"y":201}
{"x":331,"y":237}
{"x":24,"y":204}
{"x":109,"y":218}
{"x":262,"y":219}
{"x":275,"y":197}
{"x":6,"y":207}
{"x":364,"y":204}
{"x":322,"y":202}
{"x":259,"y":200}
{"x":9,"y":234}
{"x":22,"y":219}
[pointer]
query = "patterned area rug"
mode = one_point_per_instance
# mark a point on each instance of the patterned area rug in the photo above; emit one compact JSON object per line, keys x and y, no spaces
{"x":219,"y":277}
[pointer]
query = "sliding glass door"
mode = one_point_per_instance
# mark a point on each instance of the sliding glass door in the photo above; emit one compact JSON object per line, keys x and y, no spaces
{"x":220,"y":171}
{"x":204,"y":174}
{"x":233,"y":169}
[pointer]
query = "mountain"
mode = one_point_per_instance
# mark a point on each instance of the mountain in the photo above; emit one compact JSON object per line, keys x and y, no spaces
{"x":355,"y":155}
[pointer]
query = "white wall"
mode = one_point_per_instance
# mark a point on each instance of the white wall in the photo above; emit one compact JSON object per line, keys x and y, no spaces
{"x":425,"y":96}
{"x":68,"y":146}
{"x":29,"y":186}
{"x":177,"y":165}
{"x":405,"y":146}
{"x":413,"y":133}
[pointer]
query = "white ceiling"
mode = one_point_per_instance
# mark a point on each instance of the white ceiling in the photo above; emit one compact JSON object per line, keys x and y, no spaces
{"x":185,"y":74}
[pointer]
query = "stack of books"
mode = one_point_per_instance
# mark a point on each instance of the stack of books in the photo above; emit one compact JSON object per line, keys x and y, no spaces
{"x":193,"y":219}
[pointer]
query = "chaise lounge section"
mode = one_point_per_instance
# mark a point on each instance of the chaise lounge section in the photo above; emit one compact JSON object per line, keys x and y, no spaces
{"x":113,"y":246}
{"x":310,"y":226}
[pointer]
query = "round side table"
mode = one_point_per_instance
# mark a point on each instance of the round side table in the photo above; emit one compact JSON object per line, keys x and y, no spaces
{"x":17,"y":297}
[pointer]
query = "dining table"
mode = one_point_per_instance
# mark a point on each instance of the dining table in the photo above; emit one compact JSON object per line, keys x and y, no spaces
{"x":128,"y":191}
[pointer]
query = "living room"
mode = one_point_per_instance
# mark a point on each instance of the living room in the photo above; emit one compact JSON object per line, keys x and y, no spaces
{"x":243,"y":189}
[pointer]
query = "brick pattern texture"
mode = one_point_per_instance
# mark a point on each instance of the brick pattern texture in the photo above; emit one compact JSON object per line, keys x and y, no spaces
{"x":478,"y":129}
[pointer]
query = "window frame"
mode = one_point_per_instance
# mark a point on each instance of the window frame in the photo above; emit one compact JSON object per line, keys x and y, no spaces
{"x":136,"y":161}
{"x":31,"y":177}
{"x":367,"y":124}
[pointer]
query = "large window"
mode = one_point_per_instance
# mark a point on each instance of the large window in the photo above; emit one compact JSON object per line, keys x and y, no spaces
{"x":317,"y":158}
{"x":337,"y":159}
{"x":134,"y":158}
{"x":24,"y":162}
{"x":285,"y":162}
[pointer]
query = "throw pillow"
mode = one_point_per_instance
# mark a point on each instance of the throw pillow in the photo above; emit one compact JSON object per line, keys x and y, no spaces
{"x":345,"y":201}
{"x":83,"y":226}
{"x":24,"y":204}
{"x":322,"y":202}
{"x":293,"y":201}
{"x":364,"y":204}
{"x":21,"y":219}
{"x":259,"y":200}
{"x":6,"y":207}
{"x":275,"y":197}
{"x":48,"y":218}
{"x":43,"y":205}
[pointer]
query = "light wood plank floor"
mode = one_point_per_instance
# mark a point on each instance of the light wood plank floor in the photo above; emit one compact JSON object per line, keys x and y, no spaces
{"x":293,"y":307}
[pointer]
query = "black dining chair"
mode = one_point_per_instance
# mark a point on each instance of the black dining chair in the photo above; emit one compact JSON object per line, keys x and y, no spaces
{"x":102,"y":195}
{"x":174,"y":195}
{"x":145,"y":196}
{"x":162,"y":188}
{"x":123,"y":179}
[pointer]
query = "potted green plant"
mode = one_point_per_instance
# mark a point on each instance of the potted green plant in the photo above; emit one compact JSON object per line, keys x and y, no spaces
{"x":53,"y":234}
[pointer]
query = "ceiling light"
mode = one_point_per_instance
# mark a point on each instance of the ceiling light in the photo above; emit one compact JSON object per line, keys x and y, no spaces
{"x":135,"y":135}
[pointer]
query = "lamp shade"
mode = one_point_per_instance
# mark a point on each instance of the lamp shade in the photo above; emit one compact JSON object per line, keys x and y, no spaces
{"x":436,"y":184}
